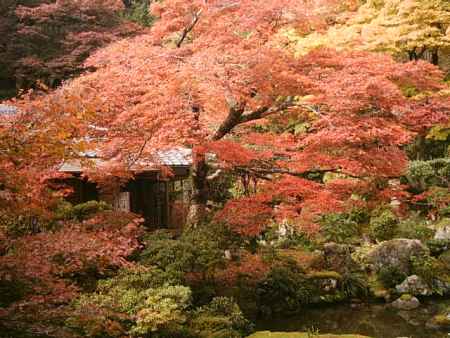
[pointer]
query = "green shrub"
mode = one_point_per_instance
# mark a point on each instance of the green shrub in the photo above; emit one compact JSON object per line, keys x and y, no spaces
{"x":12,"y":290}
{"x":354,"y":285}
{"x":134,"y":301}
{"x":146,"y":302}
{"x":384,"y":225}
{"x":438,"y":198}
{"x":438,"y":246}
{"x":164,"y":309}
{"x":390,"y":276}
{"x":426,"y":267}
{"x":285,"y":290}
{"x":339,"y":228}
{"x":414,"y":228}
{"x":221,"y":318}
{"x":139,"y":12}
{"x":81,"y":211}
{"x":17,"y":226}
{"x":190,"y":253}
{"x":445,"y":211}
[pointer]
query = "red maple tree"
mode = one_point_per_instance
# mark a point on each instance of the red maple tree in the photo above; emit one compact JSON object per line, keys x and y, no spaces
{"x":209,"y":73}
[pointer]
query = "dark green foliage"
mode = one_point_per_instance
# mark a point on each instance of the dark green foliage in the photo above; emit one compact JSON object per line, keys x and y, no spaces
{"x":354,"y":285}
{"x":220,"y":188}
{"x":426,"y":267}
{"x":285,"y":290}
{"x":125,"y":295}
{"x":433,"y":146}
{"x":340,"y":227}
{"x":438,"y":246}
{"x":414,"y":228}
{"x":197,"y":252}
{"x":81,"y":211}
{"x":12,"y":290}
{"x":144,"y":302}
{"x":192,"y":252}
{"x":390,"y":276}
{"x":384,"y":225}
{"x":445,"y":212}
{"x":222,"y":318}
{"x":139,"y":12}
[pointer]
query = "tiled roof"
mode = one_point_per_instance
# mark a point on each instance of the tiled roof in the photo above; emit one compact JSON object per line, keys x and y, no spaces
{"x":175,"y":157}
{"x":76,"y":166}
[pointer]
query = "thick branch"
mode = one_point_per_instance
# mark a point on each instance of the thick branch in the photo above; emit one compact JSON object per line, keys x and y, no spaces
{"x":237,"y":116}
{"x":232,"y":120}
{"x":189,"y":28}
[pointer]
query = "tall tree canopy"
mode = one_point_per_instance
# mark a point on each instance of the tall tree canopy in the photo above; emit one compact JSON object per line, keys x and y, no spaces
{"x":208,"y":71}
{"x":406,"y":28}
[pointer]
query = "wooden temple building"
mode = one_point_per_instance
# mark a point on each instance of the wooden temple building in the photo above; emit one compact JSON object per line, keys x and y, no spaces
{"x":162,"y":201}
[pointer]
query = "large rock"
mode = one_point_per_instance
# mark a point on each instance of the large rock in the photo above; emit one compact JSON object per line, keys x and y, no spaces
{"x":338,"y":257}
{"x":406,"y":302}
{"x":414,"y":285}
{"x":396,"y":253}
{"x":443,"y":230}
{"x":440,"y":321}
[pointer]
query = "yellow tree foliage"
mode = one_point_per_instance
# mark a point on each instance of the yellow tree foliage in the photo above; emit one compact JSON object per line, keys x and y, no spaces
{"x":406,"y":28}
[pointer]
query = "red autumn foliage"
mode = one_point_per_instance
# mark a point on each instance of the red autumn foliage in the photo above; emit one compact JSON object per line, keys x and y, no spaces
{"x":51,"y":267}
{"x":250,"y":267}
{"x":246,"y":216}
{"x":209,"y":70}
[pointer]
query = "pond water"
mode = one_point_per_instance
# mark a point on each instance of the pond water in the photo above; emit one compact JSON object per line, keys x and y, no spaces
{"x":374,"y":320}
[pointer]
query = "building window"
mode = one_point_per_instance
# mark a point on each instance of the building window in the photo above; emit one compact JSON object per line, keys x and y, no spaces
{"x":122,"y":201}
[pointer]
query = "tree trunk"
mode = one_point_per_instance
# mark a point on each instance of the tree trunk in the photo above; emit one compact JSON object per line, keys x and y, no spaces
{"x":412,"y":55}
{"x":435,"y":58}
{"x":197,"y":209}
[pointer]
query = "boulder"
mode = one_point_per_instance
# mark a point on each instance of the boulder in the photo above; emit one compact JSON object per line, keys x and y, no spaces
{"x":443,"y":230}
{"x":440,"y":321}
{"x":406,"y":302}
{"x":396,"y":253}
{"x":338,"y":257}
{"x":414,"y":285}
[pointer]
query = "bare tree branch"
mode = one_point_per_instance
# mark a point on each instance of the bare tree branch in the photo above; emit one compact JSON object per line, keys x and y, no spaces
{"x":189,"y":28}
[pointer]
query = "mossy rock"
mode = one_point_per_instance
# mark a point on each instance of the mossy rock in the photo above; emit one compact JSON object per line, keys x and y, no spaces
{"x":406,"y":297}
{"x":268,"y":334}
{"x":440,"y":321}
{"x":396,"y":253}
{"x":442,"y":229}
